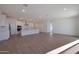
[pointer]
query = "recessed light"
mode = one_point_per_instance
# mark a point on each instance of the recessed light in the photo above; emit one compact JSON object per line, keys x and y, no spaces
{"x":23,"y":10}
{"x":65,"y":9}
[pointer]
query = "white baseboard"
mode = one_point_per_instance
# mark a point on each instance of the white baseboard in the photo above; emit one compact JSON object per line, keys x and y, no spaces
{"x":62,"y":48}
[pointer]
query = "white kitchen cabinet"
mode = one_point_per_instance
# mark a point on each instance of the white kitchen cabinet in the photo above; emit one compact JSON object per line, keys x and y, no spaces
{"x":29,"y":31}
{"x":4,"y":33}
{"x":3,"y":20}
{"x":4,"y":28}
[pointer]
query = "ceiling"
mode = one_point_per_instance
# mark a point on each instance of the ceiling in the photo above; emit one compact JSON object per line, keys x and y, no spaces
{"x":40,"y":10}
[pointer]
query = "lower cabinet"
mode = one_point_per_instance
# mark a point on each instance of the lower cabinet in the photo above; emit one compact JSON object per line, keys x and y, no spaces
{"x":4,"y":33}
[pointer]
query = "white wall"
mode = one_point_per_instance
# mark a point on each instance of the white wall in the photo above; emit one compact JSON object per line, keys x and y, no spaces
{"x":68,"y":26}
{"x":47,"y":26}
{"x":64,"y":21}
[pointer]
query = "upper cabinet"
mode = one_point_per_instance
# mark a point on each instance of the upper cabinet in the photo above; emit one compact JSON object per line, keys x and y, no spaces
{"x":3,"y":20}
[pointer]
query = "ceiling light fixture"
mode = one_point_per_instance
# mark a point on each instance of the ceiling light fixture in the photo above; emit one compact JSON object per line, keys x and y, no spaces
{"x":23,"y":10}
{"x":65,"y":9}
